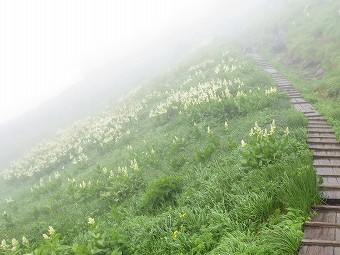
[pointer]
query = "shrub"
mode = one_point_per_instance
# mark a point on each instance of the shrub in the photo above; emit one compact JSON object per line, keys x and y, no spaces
{"x":285,"y":237}
{"x":123,"y":184}
{"x":238,"y":243}
{"x":264,"y":147}
{"x":252,"y":208}
{"x":162,"y":191}
{"x":300,"y":188}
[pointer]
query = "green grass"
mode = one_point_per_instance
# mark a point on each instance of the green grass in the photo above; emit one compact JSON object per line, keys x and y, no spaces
{"x":166,"y":172}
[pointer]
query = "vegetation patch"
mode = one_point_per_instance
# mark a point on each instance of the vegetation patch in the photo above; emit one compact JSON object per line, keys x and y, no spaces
{"x":177,"y":168}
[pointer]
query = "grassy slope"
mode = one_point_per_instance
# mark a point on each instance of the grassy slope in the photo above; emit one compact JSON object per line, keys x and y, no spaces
{"x":195,"y":189}
{"x":312,"y":56}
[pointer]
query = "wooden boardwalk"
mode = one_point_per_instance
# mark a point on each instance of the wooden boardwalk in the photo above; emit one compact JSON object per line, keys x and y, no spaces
{"x":322,"y":233}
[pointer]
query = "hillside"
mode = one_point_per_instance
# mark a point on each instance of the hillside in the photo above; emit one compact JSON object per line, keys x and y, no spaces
{"x":99,"y":89}
{"x":201,"y":160}
{"x":302,"y":40}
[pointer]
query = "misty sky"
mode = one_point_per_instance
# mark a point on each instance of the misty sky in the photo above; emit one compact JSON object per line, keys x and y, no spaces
{"x":49,"y":45}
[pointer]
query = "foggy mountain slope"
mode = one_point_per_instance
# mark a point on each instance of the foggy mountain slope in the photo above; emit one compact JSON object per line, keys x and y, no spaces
{"x":103,"y":86}
{"x":188,"y":157}
{"x":98,"y":90}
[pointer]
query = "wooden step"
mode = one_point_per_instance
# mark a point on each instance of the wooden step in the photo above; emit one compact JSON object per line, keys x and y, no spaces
{"x":324,"y":147}
{"x":289,"y":89}
{"x":323,"y":156}
{"x":330,"y":161}
{"x":322,"y":135}
{"x":313,"y":130}
{"x":313,"y":114}
{"x":329,"y":187}
{"x":330,"y":182}
{"x":293,"y":93}
{"x":316,"y":118}
{"x":320,"y":122}
{"x":335,"y":175}
{"x":320,"y":243}
{"x":322,"y":140}
{"x":321,"y":224}
{"x":327,"y":169}
{"x":297,"y":97}
{"x":334,"y":208}
{"x":321,"y":166}
{"x":285,"y":85}
{"x":319,"y":126}
{"x":330,"y":142}
{"x":327,"y":154}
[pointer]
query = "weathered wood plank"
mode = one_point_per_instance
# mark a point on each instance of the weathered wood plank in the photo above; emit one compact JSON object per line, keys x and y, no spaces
{"x":316,"y":250}
{"x":321,"y":224}
{"x":320,"y":242}
{"x":327,"y":208}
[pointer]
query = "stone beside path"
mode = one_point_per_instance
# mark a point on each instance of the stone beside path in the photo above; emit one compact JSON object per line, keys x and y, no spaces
{"x":322,"y":233}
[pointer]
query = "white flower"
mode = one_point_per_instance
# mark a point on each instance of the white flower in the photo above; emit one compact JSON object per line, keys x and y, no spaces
{"x":9,"y":200}
{"x":272,"y":127}
{"x":15,"y":244}
{"x":243,"y":143}
{"x":287,"y":131}
{"x":91,"y":221}
{"x":134,"y":165}
{"x":251,"y":132}
{"x":25,"y":241}
{"x":3,"y":245}
{"x":51,"y":231}
{"x":46,"y":236}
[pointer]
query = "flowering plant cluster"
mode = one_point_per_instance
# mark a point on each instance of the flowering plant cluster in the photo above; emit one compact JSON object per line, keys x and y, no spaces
{"x":212,"y":91}
{"x":264,"y":147}
{"x":69,"y":145}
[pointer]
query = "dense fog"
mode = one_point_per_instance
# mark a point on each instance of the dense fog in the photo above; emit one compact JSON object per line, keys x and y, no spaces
{"x":66,"y":60}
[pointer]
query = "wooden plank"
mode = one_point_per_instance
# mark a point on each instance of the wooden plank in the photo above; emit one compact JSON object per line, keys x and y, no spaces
{"x":325,"y":216}
{"x":316,"y":118}
{"x":329,"y":187}
{"x":316,"y":250}
{"x":322,"y":139}
{"x":320,"y":242}
{"x":321,"y":224}
{"x":326,"y":208}
{"x":325,"y":175}
{"x":323,"y":124}
{"x":328,"y":142}
{"x":322,"y":135}
{"x":320,"y":129}
{"x":332,"y":196}
{"x":325,"y":149}
{"x":293,"y":93}
{"x":297,"y":96}
{"x":327,"y":154}
{"x":330,"y":181}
